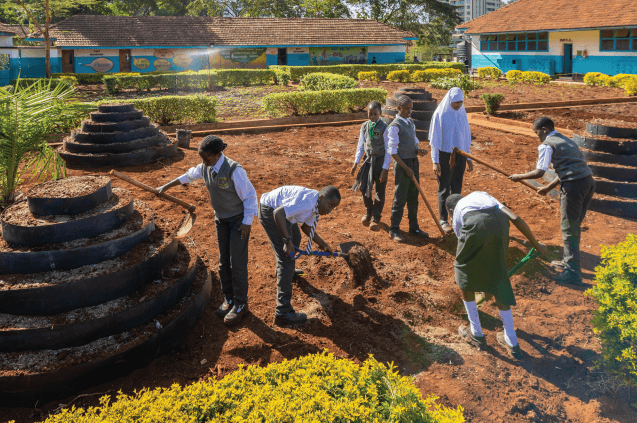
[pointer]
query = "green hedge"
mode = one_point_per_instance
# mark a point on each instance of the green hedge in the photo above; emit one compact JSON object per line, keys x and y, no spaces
{"x":83,"y":78}
{"x":615,"y":321}
{"x":174,"y":109}
{"x":313,"y":102}
{"x":623,"y":80}
{"x":297,"y":72}
{"x":191,"y":80}
{"x":528,"y":77}
{"x":314,"y":388}
{"x":321,"y":81}
{"x":25,"y":82}
{"x":464,"y":82}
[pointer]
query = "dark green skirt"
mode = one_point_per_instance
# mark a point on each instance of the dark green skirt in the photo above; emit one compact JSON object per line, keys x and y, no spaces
{"x":481,"y":255}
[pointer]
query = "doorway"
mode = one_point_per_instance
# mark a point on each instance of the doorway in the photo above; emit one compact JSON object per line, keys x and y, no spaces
{"x":68,"y":59}
{"x":283,"y":57}
{"x":124,"y":60}
{"x":568,"y":59}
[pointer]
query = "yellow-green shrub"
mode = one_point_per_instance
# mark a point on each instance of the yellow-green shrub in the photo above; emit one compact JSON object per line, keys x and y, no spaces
{"x":514,"y":76}
{"x":433,"y":74}
{"x":399,"y":76}
{"x":314,"y":388}
{"x":297,"y":72}
{"x":532,"y":77}
{"x":174,"y":108}
{"x":320,"y":81}
{"x":620,"y":80}
{"x":369,"y":76}
{"x":615,"y":321}
{"x":313,"y":102}
{"x":596,"y":78}
{"x":631,"y":87}
{"x":489,"y":71}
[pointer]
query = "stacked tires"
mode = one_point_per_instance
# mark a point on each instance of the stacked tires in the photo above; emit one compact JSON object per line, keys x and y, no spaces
{"x":91,"y":288}
{"x":424,"y":108}
{"x":116,"y":135}
{"x":611,"y":153}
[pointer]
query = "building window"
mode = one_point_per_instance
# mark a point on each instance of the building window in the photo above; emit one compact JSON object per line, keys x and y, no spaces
{"x":532,"y":41}
{"x":618,"y":40}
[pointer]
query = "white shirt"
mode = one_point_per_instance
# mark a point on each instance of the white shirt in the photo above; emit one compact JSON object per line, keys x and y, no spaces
{"x":545,"y":153}
{"x":360,"y":148}
{"x":242,"y":185}
{"x":477,"y":200}
{"x":392,"y":134}
{"x":299,"y":203}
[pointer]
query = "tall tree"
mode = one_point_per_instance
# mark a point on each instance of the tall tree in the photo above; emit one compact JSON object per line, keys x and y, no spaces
{"x":325,"y":9}
{"x":42,"y":12}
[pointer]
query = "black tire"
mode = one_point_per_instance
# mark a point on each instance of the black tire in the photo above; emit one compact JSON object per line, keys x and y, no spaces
{"x":114,"y":148}
{"x":414,"y":97}
{"x":612,"y":147}
{"x":126,"y":126}
{"x":111,"y":138}
{"x":116,"y":108}
{"x":133,"y":158}
{"x":611,"y":131}
{"x":98,"y":117}
{"x":620,"y":174}
{"x":73,"y":205}
{"x":418,"y":105}
{"x":619,"y":208}
{"x":616,"y":189}
{"x":591,"y":156}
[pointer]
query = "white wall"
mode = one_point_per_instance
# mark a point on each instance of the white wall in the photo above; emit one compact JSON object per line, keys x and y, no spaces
{"x":6,"y":41}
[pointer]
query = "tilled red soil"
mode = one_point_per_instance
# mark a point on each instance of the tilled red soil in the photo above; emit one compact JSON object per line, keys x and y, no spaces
{"x":409,"y":309}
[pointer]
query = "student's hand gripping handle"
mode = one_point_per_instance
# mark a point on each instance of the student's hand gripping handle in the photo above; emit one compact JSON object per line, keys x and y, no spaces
{"x":313,"y":253}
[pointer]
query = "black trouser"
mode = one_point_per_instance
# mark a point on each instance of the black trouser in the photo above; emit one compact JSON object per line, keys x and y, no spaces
{"x":375,"y":204}
{"x":575,"y":198}
{"x":284,"y":263}
{"x":449,"y":181}
{"x":405,"y":192}
{"x":233,"y":258}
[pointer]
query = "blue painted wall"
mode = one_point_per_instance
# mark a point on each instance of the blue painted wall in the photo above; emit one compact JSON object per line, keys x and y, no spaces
{"x":548,"y":64}
{"x":81,"y":64}
{"x":298,"y":60}
{"x":271,"y":59}
{"x":199,"y":63}
{"x":35,"y":67}
{"x":385,"y":58}
{"x":609,"y":65}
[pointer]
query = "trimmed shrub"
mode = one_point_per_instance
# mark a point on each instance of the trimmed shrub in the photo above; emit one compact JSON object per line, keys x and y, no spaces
{"x":25,"y":82}
{"x":620,"y":80}
{"x":463,"y":82}
{"x":314,"y":388}
{"x":84,"y":78}
{"x":596,"y":78}
{"x":321,"y":81}
{"x":433,"y":74}
{"x":489,"y":71}
{"x":631,"y":87}
{"x":492,"y":102}
{"x":623,"y":80}
{"x":313,"y":102}
{"x":369,"y":76}
{"x":529,"y":77}
{"x":174,"y":108}
{"x":399,"y":76}
{"x":615,"y":321}
{"x":282,"y":76}
{"x":352,"y":71}
{"x":514,"y":76}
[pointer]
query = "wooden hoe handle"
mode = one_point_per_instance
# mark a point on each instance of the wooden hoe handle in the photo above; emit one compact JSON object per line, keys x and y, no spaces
{"x":456,"y":150}
{"x":433,"y":215}
{"x":123,"y":177}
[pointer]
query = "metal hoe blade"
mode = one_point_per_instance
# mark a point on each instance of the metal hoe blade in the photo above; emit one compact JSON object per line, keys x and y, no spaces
{"x":185,"y":226}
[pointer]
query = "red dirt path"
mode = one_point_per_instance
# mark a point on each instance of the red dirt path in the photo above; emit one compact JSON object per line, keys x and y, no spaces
{"x":410,"y":312}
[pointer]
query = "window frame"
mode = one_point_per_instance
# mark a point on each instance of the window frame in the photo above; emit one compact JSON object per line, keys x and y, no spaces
{"x":631,"y":39}
{"x":521,"y":41}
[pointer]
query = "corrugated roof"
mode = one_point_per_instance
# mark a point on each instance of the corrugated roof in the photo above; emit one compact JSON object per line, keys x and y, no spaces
{"x":550,"y":15}
{"x":114,"y":31}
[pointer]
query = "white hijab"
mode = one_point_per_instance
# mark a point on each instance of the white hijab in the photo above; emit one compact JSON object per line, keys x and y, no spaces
{"x":450,"y":128}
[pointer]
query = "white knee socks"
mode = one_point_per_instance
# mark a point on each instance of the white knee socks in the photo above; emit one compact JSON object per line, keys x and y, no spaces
{"x":509,"y":330}
{"x":474,"y":319}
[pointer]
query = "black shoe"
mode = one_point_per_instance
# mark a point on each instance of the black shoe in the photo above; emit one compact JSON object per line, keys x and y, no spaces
{"x":224,"y":308}
{"x":395,"y":236}
{"x":289,"y":318}
{"x":366,"y":218}
{"x":468,"y":337}
{"x":419,"y":232}
{"x":567,"y":277}
{"x":236,"y":314}
{"x":514,"y":352}
{"x":298,"y":272}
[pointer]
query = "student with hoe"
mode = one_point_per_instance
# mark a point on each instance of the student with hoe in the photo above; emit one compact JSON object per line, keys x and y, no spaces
{"x":234,"y":201}
{"x":449,"y":128}
{"x":373,"y":173}
{"x":280,"y":212}
{"x":577,"y":187}
{"x":481,"y":224}
{"x":403,"y":147}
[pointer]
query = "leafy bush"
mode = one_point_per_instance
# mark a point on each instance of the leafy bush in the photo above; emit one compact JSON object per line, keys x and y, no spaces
{"x":83,"y":78}
{"x":312,"y":102}
{"x":615,"y":321}
{"x":489,"y":71}
{"x":314,"y":388}
{"x":492,"y":102}
{"x":399,"y":76}
{"x":529,"y":77}
{"x":620,"y":80}
{"x":463,"y":82}
{"x":321,"y":81}
{"x":282,"y":76}
{"x":596,"y":78}
{"x":26,"y":82}
{"x":514,"y":76}
{"x":175,"y":109}
{"x":433,"y":74}
{"x":623,"y":80}
{"x":296,"y":72}
{"x":631,"y":87}
{"x":369,"y":76}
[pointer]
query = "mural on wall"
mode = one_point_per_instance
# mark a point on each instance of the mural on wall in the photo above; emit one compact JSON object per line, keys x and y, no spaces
{"x":169,"y":60}
{"x":323,"y":56}
{"x":238,"y":58}
{"x":100,"y":65}
{"x":162,"y":65}
{"x":4,"y":62}
{"x":141,"y":63}
{"x":163,"y":53}
{"x":183,"y":61}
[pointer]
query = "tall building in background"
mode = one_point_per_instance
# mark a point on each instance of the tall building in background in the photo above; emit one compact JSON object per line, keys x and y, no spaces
{"x":471,"y":9}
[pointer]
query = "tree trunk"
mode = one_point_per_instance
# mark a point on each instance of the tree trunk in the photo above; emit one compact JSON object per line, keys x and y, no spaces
{"x":47,"y":44}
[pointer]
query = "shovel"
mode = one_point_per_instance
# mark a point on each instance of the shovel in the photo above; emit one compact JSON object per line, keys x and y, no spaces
{"x":187,"y":222}
{"x":531,"y":255}
{"x":317,"y":253}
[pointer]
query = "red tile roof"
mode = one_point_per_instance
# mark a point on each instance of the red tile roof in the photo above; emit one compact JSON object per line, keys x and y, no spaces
{"x":14,"y":29}
{"x":546,"y":15}
{"x":114,"y":31}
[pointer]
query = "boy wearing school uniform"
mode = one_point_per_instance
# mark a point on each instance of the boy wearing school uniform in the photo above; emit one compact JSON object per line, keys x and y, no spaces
{"x":372,"y":176}
{"x":403,"y":147}
{"x":234,"y":201}
{"x":481,"y":224}
{"x":577,"y":187}
{"x":280,"y":212}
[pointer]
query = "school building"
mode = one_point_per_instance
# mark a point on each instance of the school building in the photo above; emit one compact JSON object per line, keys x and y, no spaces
{"x":109,"y":44}
{"x":557,"y":37}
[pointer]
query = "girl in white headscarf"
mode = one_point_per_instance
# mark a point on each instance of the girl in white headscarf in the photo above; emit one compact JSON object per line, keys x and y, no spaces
{"x":449,"y":128}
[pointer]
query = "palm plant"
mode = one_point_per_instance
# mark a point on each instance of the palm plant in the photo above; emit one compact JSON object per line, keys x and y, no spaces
{"x":27,"y":115}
